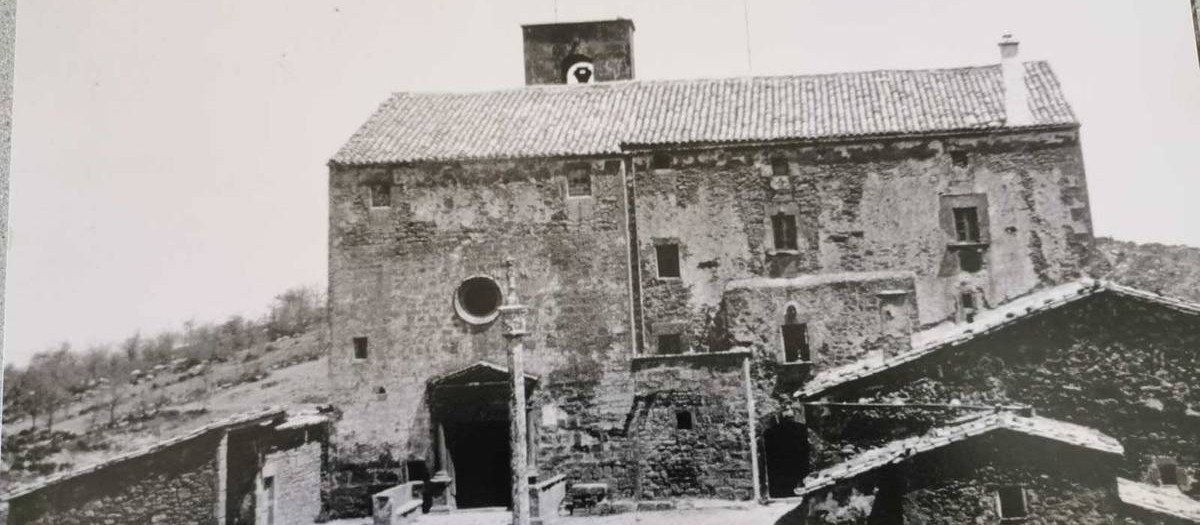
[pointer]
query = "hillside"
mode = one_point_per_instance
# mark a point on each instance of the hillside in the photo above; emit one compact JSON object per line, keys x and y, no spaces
{"x":289,"y":372}
{"x":1165,"y":269}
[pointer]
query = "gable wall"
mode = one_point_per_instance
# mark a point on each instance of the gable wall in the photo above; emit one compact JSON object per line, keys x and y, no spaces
{"x":394,"y":272}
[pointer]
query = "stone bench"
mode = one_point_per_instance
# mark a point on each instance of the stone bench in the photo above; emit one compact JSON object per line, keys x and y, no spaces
{"x":397,"y":505}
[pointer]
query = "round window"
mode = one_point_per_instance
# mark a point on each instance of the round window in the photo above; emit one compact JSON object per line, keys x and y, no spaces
{"x":478,"y":299}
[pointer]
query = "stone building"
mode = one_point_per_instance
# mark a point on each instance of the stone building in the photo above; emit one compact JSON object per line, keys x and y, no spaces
{"x":260,"y":468}
{"x":716,"y":270}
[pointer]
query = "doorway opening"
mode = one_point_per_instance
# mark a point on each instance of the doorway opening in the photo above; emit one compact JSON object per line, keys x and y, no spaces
{"x":786,"y":458}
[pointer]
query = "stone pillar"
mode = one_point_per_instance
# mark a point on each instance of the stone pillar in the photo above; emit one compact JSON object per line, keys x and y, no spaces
{"x":513,"y":315}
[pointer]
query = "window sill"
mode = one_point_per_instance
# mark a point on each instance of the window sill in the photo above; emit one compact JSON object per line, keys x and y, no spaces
{"x":670,"y":279}
{"x":579,"y":197}
{"x":965,"y":245}
{"x":776,"y":252}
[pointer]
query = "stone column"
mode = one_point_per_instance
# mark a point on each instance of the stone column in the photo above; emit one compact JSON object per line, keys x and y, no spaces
{"x":513,"y":315}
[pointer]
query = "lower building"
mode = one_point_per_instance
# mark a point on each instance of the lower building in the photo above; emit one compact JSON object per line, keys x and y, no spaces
{"x":256,"y":468}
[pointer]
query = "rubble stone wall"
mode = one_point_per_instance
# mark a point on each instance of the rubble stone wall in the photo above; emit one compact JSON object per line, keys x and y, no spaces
{"x":176,"y":485}
{"x":862,"y":206}
{"x":710,"y":458}
{"x":1126,"y":367}
{"x":394,"y":272}
{"x":845,"y":317}
{"x":958,"y":484}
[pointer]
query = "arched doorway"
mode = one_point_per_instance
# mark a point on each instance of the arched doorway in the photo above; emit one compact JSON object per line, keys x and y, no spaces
{"x":785,"y":448}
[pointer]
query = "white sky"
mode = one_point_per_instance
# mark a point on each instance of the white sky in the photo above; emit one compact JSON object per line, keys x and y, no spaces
{"x":169,"y":156}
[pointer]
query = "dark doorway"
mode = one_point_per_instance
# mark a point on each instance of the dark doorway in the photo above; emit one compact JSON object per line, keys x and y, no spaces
{"x":786,"y":455}
{"x":482,"y":472}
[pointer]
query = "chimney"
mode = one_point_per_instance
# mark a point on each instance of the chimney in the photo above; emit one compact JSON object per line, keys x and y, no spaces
{"x":1016,"y":96}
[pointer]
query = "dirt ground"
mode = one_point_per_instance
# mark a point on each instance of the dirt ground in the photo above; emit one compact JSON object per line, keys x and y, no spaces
{"x":750,"y":514}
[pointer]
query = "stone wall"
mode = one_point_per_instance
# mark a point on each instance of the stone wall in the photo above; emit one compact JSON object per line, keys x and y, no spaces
{"x":709,"y":457}
{"x":957,"y":484}
{"x":844,"y":315}
{"x":1126,"y":367}
{"x":838,"y":432}
{"x":394,"y":272}
{"x":862,"y":206}
{"x":176,"y":485}
{"x":297,"y":480}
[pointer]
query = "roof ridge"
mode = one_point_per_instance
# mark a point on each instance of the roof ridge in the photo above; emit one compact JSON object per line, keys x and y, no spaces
{"x":685,"y":80}
{"x":234,"y":419}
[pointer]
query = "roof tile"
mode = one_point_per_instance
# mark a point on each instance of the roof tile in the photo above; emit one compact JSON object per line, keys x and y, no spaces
{"x":598,"y":119}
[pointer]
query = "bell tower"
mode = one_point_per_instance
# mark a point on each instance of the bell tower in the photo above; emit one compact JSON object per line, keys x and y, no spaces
{"x":578,"y":52}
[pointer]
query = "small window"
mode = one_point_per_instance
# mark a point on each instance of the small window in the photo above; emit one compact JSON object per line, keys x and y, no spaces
{"x":579,"y":182}
{"x":966,"y":224}
{"x":668,"y":260}
{"x":795,"y":343}
{"x":360,"y":347}
{"x":779,"y":166}
{"x":683,"y":420}
{"x":958,"y":159}
{"x":1012,"y":502}
{"x":381,"y":196}
{"x":967,"y":299}
{"x":660,"y":161}
{"x":380,"y":393}
{"x":783,"y":226}
{"x":1168,"y":474}
{"x":670,"y":344}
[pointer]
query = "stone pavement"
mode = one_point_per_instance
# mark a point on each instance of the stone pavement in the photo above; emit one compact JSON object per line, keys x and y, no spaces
{"x":749,"y":514}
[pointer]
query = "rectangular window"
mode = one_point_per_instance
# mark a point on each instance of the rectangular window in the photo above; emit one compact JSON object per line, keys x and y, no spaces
{"x":1168,"y":474}
{"x":966,"y":224}
{"x":668,"y":260}
{"x":1012,"y":502}
{"x":795,"y":343}
{"x":958,"y":159}
{"x":779,"y":166}
{"x":670,"y":344}
{"x":579,"y":182}
{"x":660,"y":161}
{"x":683,"y":420}
{"x":967,"y":299}
{"x":269,"y":496}
{"x":783,"y":226}
{"x":360,"y":347}
{"x":381,"y":196}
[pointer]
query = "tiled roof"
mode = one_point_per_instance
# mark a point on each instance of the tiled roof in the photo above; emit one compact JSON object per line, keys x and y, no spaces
{"x":903,"y":449}
{"x":950,"y":335}
{"x":599,"y":119}
{"x":236,"y":420}
{"x":1159,"y":499}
